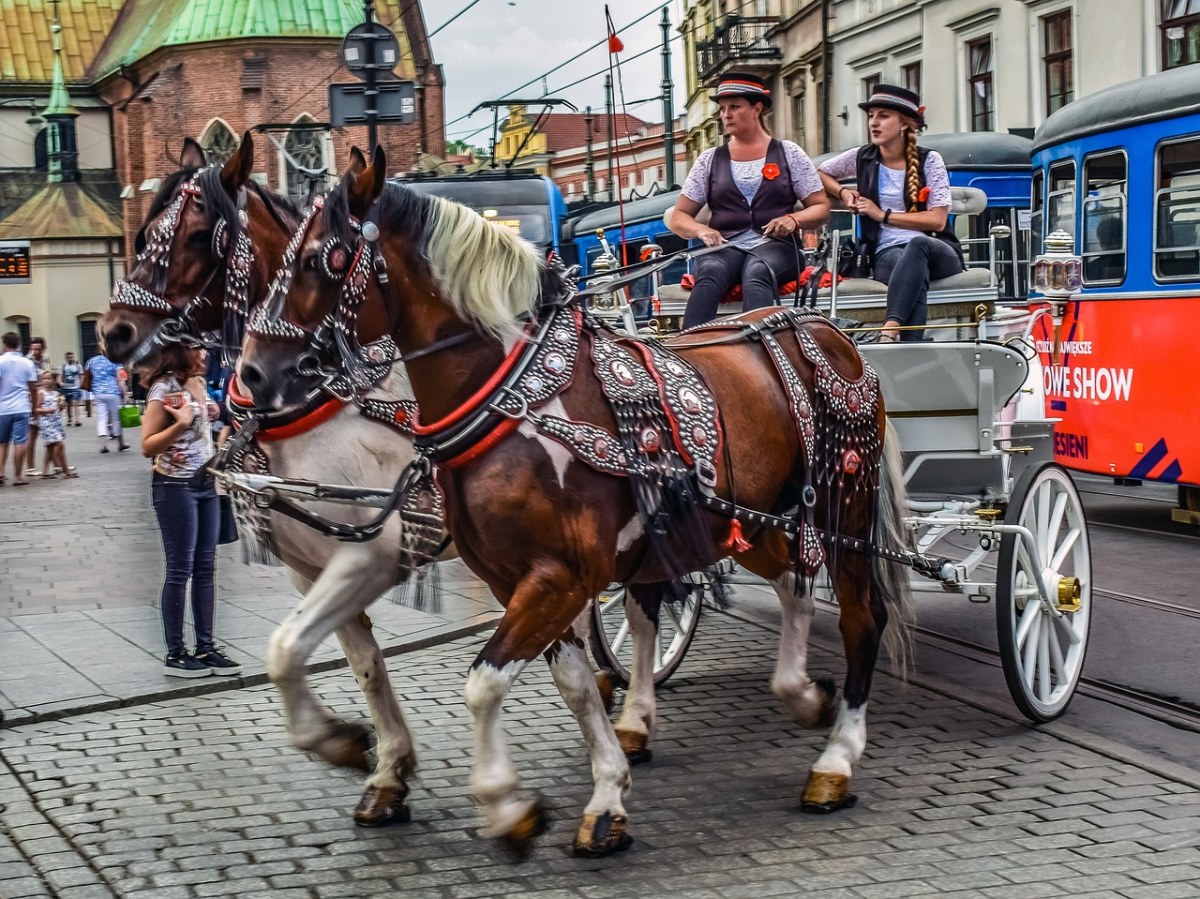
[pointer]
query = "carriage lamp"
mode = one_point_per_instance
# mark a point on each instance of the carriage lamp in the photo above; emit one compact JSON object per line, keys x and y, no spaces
{"x":1058,"y":273}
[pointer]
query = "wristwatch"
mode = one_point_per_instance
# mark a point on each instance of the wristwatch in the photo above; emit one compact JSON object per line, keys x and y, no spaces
{"x":887,"y":214}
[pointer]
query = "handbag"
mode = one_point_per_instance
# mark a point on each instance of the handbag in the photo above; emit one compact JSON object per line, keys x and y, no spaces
{"x":85,"y":381}
{"x":854,"y":258}
{"x":130,"y":417}
{"x":228,"y":532}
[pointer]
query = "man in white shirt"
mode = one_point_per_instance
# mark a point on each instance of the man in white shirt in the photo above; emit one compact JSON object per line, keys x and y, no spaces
{"x":18,"y":390}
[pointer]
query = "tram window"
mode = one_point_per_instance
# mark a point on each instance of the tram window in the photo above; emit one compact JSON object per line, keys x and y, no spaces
{"x":1177,"y":211}
{"x":1104,"y":218}
{"x":1060,"y":200}
{"x":1035,"y":216}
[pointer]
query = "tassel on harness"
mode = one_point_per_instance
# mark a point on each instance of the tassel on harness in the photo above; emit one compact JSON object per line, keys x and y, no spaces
{"x":735,"y":541}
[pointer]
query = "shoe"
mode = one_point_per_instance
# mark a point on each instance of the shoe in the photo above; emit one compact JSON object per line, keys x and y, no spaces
{"x":184,"y":664}
{"x":104,"y":449}
{"x":219,"y":663}
{"x":122,"y":447}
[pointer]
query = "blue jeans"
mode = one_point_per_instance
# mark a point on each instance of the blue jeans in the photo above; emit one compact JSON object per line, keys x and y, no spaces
{"x":907,"y":269}
{"x":761,"y":272}
{"x":189,"y":518}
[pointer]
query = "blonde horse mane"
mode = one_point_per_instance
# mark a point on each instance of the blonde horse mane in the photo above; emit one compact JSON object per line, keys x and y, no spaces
{"x":489,"y":275}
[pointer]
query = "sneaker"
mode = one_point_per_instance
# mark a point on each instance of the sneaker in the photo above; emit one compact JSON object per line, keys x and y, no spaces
{"x":184,"y":664}
{"x":104,"y":449}
{"x":219,"y":663}
{"x":122,"y":447}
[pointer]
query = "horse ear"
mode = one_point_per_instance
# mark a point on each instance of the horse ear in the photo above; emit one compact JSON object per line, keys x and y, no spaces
{"x":358,"y":162}
{"x":192,"y":156}
{"x":236,"y":170}
{"x":366,"y":185}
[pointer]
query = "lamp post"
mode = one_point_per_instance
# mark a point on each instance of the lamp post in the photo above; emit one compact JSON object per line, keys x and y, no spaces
{"x":1058,"y":272}
{"x":34,"y":120}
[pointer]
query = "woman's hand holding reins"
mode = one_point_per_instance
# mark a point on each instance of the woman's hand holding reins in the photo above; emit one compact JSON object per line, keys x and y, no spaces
{"x":783,"y":226}
{"x":869,"y":208}
{"x":710,"y":237}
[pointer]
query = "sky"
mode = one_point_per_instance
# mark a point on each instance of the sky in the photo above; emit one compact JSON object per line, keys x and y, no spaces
{"x":498,"y":45}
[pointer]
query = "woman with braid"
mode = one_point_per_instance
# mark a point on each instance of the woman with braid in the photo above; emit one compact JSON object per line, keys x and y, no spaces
{"x":903,"y":199}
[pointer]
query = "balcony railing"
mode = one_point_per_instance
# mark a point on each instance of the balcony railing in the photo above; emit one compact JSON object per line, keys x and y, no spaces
{"x":738,"y":41}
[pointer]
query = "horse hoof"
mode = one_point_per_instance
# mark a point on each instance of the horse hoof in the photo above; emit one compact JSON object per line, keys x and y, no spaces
{"x":829,"y":704}
{"x":601,"y":835}
{"x":826,"y":793}
{"x":607,"y":685}
{"x":634,"y":746}
{"x":379,"y":808}
{"x":518,"y":841}
{"x":348,"y":746}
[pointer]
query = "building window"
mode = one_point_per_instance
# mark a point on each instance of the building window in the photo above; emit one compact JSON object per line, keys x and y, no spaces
{"x":304,"y":160}
{"x":869,"y":84}
{"x":219,"y":143}
{"x":1057,"y":61}
{"x":979,"y":57}
{"x":24,"y":332}
{"x":89,"y":346}
{"x":1180,"y":32}
{"x":1103,"y":236}
{"x":910,"y":77}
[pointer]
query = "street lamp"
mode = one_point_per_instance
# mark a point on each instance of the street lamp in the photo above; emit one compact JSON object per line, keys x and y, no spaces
{"x":34,"y":120}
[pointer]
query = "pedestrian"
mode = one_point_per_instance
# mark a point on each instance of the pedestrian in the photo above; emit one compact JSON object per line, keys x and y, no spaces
{"x":101,"y":376}
{"x":18,"y":393}
{"x":69,"y":378}
{"x":751,"y":186}
{"x":36,"y":355}
{"x":50,"y":427}
{"x":903,"y":202}
{"x":177,"y":435}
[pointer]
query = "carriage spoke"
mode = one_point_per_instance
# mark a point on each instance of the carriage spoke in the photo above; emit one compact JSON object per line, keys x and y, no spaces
{"x":673,"y":614}
{"x":1030,"y":614}
{"x":1041,"y":504}
{"x":622,"y":633}
{"x":1030,"y":651}
{"x":1066,"y":624}
{"x":1057,"y":660}
{"x":658,"y":648}
{"x":614,"y":603}
{"x":1055,"y":522}
{"x":1045,"y":636}
{"x":1068,"y":543}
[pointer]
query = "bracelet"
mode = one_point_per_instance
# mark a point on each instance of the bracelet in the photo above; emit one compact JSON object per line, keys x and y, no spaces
{"x":887,"y":214}
{"x":842,"y":190}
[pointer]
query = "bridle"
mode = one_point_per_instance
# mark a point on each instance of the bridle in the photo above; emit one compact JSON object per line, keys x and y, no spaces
{"x":178,"y":325}
{"x":336,"y":334}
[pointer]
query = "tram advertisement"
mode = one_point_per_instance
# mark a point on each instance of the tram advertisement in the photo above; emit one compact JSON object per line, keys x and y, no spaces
{"x":1111,"y":377}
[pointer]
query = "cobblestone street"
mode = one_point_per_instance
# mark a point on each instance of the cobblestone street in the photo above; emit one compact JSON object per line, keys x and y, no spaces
{"x":200,"y":796}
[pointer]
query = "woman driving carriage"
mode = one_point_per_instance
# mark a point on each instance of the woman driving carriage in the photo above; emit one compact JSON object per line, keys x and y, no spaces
{"x":903,"y":198}
{"x":751,"y":183}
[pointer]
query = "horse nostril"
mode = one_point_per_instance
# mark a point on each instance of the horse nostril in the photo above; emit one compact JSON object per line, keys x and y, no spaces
{"x":250,"y":375}
{"x":118,"y":336}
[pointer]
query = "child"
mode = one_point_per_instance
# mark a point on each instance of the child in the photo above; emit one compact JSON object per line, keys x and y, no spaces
{"x":50,"y":427}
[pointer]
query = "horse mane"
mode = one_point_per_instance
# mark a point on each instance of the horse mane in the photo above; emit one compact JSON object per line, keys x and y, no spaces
{"x":488,"y":275}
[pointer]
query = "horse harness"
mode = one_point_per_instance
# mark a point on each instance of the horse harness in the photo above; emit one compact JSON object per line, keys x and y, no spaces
{"x":179,"y":323}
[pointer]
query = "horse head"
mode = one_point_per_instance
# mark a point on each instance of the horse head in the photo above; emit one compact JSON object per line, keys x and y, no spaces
{"x":205,"y":252}
{"x":375,"y":259}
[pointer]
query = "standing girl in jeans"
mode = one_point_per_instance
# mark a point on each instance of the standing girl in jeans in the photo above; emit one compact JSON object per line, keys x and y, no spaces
{"x":903,"y":200}
{"x":177,"y":436}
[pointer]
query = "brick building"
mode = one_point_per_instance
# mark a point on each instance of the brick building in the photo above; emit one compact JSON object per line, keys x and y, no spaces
{"x":143,"y":74}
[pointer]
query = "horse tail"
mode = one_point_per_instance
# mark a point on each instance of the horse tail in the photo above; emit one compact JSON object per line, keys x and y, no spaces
{"x":889,"y":532}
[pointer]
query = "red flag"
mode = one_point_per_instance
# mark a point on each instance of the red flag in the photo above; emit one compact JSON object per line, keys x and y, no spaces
{"x":614,"y":43}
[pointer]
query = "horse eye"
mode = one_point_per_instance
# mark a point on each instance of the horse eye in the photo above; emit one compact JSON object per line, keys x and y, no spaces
{"x":309,"y":264}
{"x":200,"y":238}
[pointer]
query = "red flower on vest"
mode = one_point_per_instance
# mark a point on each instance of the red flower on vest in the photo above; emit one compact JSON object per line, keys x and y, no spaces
{"x":923,"y":194}
{"x":770,"y":171}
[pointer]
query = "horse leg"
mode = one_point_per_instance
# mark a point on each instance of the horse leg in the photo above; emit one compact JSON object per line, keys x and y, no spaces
{"x":350,"y":582}
{"x":602,"y":830}
{"x":395,"y":759}
{"x":862,"y":622}
{"x":545,"y":602}
{"x":636,"y":724}
{"x":811,"y":703}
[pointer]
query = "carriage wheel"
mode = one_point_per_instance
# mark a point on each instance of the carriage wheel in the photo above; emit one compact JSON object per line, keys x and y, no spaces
{"x":1042,"y":653}
{"x":612,"y":645}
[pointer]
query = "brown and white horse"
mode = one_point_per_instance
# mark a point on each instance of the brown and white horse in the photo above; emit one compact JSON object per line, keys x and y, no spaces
{"x":547,"y":528}
{"x":178,"y":288}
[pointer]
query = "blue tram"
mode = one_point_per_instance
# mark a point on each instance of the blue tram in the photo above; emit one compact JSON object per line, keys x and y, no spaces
{"x":1119,"y":170}
{"x":531,"y":205}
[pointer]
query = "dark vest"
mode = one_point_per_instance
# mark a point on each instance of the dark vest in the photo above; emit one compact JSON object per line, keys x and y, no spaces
{"x":867,"y":178}
{"x":731,"y":212}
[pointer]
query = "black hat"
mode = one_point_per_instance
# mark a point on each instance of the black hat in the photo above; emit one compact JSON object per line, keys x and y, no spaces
{"x":901,"y":99}
{"x":743,"y":84}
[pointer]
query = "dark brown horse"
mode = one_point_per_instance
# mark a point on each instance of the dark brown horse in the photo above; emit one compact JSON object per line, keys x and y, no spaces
{"x":521,"y":408}
{"x":187,"y":298}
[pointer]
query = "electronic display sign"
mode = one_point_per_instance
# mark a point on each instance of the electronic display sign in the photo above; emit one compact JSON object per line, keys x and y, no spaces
{"x":14,"y":262}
